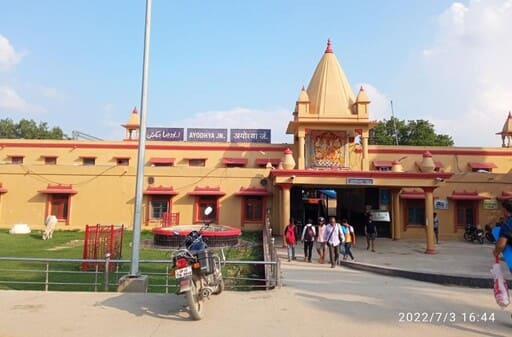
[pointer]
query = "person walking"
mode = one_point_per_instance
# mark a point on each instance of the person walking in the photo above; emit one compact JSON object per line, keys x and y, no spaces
{"x":308,"y":237}
{"x":436,"y":227}
{"x":505,"y":236}
{"x":320,"y":240}
{"x":290,"y":239}
{"x":370,"y":231}
{"x":333,"y":237}
{"x":350,"y":238}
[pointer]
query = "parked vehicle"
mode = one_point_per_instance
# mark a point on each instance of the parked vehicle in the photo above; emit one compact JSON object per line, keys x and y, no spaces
{"x":474,"y":233}
{"x":488,"y":234}
{"x":198,"y":271}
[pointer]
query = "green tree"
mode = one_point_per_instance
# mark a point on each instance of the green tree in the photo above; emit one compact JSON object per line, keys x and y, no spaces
{"x":29,"y":129}
{"x":414,"y":132}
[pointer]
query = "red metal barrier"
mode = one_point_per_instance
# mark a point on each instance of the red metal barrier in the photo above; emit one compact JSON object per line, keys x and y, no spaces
{"x":100,"y":240}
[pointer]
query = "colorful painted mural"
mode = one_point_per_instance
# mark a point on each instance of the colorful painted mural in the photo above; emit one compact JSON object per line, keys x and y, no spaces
{"x":327,"y":148}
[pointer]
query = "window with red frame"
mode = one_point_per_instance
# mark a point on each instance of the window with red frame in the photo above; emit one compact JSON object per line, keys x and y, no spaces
{"x":415,"y":212}
{"x":50,"y":160}
{"x":17,"y":160}
{"x":59,"y":205}
{"x":158,"y":206}
{"x":253,"y":209}
{"x":197,"y":162}
{"x":202,"y":203}
{"x":465,"y":212}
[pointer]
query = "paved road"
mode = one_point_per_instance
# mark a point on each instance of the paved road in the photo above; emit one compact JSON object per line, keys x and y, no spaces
{"x":315,"y":300}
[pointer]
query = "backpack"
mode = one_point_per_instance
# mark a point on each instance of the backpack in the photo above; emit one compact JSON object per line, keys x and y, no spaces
{"x":310,"y":234}
{"x":290,"y":235}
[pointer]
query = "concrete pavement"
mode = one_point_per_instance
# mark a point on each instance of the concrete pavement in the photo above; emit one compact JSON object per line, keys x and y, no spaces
{"x":455,"y":262}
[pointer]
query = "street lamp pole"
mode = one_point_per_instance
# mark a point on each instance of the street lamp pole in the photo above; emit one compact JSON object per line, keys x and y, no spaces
{"x":139,"y":184}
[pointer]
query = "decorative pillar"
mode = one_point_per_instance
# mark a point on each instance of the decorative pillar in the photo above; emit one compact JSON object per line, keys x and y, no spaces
{"x":301,"y":157}
{"x":365,"y":164}
{"x":429,"y":219}
{"x":285,"y":206}
{"x":396,"y":229}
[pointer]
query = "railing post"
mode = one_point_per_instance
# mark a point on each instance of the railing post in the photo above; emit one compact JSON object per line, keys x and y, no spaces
{"x":96,"y":272}
{"x":106,"y":272}
{"x":46,"y":279}
{"x":167,"y":279}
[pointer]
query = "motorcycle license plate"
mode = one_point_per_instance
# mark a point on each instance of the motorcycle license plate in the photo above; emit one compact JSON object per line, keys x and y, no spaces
{"x":183,"y":272}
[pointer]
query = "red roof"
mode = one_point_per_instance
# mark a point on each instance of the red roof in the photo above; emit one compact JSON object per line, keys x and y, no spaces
{"x":207,"y":191}
{"x":252,"y":191}
{"x":412,"y":195}
{"x":160,"y":190}
{"x":88,"y":157}
{"x":382,"y":163}
{"x":264,"y":161}
{"x":160,"y":160}
{"x":234,"y":161}
{"x":466,"y":196}
{"x":58,"y":189}
{"x":482,"y":165}
{"x":504,"y":195}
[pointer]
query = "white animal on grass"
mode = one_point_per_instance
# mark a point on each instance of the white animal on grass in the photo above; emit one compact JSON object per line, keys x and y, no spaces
{"x":50,"y":223}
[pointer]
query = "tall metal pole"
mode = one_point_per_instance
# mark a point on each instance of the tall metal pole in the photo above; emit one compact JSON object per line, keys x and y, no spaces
{"x":139,"y":183}
{"x":394,"y":122}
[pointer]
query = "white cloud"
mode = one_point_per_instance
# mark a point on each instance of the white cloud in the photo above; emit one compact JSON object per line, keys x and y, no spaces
{"x":8,"y":55}
{"x":468,"y":89}
{"x":274,"y":119}
{"x":12,"y":102}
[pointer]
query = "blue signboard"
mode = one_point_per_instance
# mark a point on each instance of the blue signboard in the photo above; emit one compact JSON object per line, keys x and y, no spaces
{"x":207,"y":135}
{"x":165,"y":134}
{"x":250,"y":135}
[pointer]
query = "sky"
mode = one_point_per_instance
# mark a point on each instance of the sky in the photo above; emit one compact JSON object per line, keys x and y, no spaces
{"x":241,"y":64}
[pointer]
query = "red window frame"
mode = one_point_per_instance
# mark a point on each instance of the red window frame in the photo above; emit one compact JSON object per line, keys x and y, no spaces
{"x":197,"y":162}
{"x":416,"y":204}
{"x":17,"y":160}
{"x":200,"y":204}
{"x":50,"y":160}
{"x":123,"y":161}
{"x":464,"y":209}
{"x":59,"y":205}
{"x":88,"y":161}
{"x":250,"y":206}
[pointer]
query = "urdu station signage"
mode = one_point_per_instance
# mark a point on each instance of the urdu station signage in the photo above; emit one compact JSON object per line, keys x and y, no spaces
{"x":209,"y":135}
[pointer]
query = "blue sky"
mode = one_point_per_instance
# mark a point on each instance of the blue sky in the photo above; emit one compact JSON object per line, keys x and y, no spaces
{"x":241,"y":64}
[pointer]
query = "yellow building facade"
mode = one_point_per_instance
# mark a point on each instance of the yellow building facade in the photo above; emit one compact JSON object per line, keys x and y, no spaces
{"x":329,"y":170}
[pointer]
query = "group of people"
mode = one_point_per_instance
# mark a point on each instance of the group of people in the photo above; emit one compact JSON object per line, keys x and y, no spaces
{"x":332,"y":237}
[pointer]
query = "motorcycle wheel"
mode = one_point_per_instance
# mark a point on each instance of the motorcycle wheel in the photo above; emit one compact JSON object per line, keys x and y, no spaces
{"x":481,"y":240}
{"x":195,"y":304}
{"x":467,"y":237}
{"x":220,"y":287}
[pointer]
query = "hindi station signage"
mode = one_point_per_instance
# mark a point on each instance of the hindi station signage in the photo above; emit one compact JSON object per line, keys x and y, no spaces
{"x":250,"y":135}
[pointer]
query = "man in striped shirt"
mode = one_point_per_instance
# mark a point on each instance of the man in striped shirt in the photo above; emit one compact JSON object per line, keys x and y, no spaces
{"x":334,"y":237}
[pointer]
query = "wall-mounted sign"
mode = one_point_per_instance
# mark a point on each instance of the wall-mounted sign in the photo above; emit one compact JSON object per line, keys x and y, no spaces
{"x":250,"y":135}
{"x":490,"y":204}
{"x":359,"y":181}
{"x":207,"y":135}
{"x":380,"y":216}
{"x":441,"y":204}
{"x":165,"y":134}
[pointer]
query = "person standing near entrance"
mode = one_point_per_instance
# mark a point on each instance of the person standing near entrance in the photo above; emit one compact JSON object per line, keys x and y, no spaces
{"x":308,"y":237}
{"x":350,"y":238}
{"x":334,"y":237}
{"x":370,"y":230}
{"x":320,"y":240}
{"x":290,"y":239}
{"x":436,"y":227}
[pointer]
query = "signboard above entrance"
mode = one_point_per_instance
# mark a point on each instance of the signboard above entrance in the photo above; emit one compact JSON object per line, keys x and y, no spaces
{"x":359,"y":181}
{"x":380,"y":216}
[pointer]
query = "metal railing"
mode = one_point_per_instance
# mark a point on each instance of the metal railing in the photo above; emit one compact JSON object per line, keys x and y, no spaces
{"x":66,"y":274}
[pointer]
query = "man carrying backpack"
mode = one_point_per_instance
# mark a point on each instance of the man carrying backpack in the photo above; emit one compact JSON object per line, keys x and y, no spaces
{"x":308,"y":237}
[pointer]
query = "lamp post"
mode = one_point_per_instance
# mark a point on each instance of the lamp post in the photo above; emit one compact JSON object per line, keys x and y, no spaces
{"x":135,"y":282}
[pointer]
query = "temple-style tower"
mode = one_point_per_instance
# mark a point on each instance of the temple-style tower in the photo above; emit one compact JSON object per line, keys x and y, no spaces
{"x":330,"y":125}
{"x":132,"y":126}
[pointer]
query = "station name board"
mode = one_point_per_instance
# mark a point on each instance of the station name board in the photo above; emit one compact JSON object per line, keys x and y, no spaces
{"x":209,"y":135}
{"x":359,"y":181}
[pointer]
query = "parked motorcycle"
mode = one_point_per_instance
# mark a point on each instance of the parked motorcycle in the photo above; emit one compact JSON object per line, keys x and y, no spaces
{"x":474,"y":233}
{"x":488,"y":234}
{"x":198,"y":271}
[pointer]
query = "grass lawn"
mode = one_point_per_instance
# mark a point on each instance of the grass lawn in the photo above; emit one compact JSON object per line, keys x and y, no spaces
{"x":69,"y":245}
